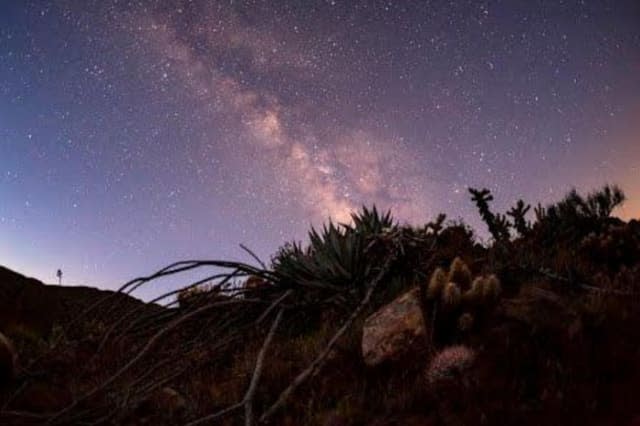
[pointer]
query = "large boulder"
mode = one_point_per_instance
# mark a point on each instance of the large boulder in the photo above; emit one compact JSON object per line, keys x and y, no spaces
{"x":8,"y":359}
{"x":394,"y":329}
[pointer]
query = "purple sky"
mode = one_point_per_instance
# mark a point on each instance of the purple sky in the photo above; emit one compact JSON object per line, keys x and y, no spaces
{"x":133,"y":134}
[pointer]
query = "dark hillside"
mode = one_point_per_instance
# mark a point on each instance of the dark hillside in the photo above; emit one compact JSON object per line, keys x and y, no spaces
{"x":27,"y":302}
{"x":370,"y":323}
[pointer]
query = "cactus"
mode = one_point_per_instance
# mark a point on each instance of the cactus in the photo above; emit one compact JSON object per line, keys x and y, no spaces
{"x":451,"y":295}
{"x":450,"y":363}
{"x":492,"y":288}
{"x":498,"y":224}
{"x":460,"y":273}
{"x":475,"y":294}
{"x":519,"y":213}
{"x":437,"y":225}
{"x":436,"y":284}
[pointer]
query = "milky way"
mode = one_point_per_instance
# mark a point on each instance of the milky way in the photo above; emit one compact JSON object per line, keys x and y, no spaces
{"x":133,"y":134}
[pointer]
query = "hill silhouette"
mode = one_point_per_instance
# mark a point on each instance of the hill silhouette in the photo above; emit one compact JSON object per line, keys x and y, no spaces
{"x":29,"y":303}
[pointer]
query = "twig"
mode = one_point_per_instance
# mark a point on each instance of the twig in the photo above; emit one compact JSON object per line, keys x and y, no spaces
{"x":252,"y":254}
{"x":319,"y":360}
{"x":152,"y":341}
{"x":273,"y":306}
{"x":247,"y":401}
{"x":172,"y":269}
{"x":125,"y":317}
{"x":15,"y":394}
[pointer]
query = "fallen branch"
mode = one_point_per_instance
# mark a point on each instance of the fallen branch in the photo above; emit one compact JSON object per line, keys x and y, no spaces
{"x":247,"y":401}
{"x":150,"y":344}
{"x":273,"y":306}
{"x":318,"y":362}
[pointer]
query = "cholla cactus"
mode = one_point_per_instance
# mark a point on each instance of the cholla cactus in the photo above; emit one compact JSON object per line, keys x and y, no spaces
{"x":475,"y":294}
{"x":450,"y":363}
{"x":465,"y":322}
{"x":436,"y":284}
{"x":451,"y":295}
{"x":460,"y":273}
{"x":483,"y":290}
{"x":492,"y":288}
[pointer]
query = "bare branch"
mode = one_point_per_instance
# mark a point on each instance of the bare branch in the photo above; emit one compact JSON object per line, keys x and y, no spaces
{"x":247,"y":401}
{"x":150,"y":344}
{"x":320,"y":359}
{"x":252,"y":254}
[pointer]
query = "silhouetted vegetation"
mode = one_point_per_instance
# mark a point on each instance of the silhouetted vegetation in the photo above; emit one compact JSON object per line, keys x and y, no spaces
{"x":539,"y":326}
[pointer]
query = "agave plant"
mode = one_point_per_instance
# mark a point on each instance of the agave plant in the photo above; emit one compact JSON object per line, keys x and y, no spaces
{"x":337,"y":255}
{"x":371,"y":222}
{"x":334,"y":258}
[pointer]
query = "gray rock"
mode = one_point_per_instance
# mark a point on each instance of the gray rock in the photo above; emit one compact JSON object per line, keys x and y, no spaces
{"x":394,"y":329}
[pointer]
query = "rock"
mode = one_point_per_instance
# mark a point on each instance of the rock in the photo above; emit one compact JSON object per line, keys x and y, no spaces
{"x":8,"y":359}
{"x":537,"y":306}
{"x":393,"y":330}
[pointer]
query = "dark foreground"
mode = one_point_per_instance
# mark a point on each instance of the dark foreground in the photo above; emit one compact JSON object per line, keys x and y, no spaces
{"x":372,"y":324}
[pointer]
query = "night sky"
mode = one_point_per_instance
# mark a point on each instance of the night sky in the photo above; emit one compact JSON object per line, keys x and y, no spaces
{"x":137,"y":133}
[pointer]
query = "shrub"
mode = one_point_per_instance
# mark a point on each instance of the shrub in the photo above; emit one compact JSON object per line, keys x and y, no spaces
{"x":336,"y":256}
{"x":576,"y":216}
{"x":371,"y":222}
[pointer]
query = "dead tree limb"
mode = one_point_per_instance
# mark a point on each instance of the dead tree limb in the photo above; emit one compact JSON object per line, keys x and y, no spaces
{"x":318,"y":362}
{"x":150,"y":344}
{"x":273,"y":306}
{"x":247,"y":401}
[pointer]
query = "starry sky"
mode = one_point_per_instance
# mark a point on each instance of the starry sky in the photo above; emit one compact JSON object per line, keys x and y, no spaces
{"x":137,"y":133}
